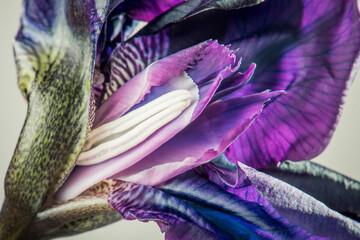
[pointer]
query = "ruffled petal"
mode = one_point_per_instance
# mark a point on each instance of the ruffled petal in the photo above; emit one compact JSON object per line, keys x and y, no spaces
{"x":161,"y":77}
{"x":233,"y":83}
{"x":205,"y":138}
{"x":190,"y":60}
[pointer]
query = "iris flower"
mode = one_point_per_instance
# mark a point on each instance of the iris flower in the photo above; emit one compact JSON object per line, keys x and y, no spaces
{"x":183,"y":113}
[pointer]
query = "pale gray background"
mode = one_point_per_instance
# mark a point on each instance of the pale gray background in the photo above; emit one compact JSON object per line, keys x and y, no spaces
{"x":342,"y":154}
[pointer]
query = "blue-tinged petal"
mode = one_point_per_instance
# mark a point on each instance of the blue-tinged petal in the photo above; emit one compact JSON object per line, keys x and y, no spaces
{"x":307,"y":48}
{"x":190,"y":198}
{"x":143,"y":203}
{"x":188,"y":231}
{"x":333,"y":189}
{"x":300,"y":208}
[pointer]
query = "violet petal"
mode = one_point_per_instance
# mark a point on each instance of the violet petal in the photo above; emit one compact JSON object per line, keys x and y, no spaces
{"x":308,"y":49}
{"x":191,"y":8}
{"x":204,"y":139}
{"x":147,"y":10}
{"x":161,"y":77}
{"x":188,"y":231}
{"x":131,"y":57}
{"x":304,"y":47}
{"x":190,"y":198}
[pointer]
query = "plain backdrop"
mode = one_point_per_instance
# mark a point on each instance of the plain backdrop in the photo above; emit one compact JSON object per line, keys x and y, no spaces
{"x":341,"y":155}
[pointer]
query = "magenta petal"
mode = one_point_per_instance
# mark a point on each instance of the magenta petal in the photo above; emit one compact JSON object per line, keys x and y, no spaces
{"x":147,"y":10}
{"x":228,"y":87}
{"x":208,"y":74}
{"x":204,"y":139}
{"x":163,"y":76}
{"x":307,"y":48}
{"x":191,"y":60}
{"x":122,"y":100}
{"x":84,"y":177}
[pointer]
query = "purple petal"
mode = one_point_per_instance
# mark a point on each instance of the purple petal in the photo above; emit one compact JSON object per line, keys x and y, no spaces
{"x":83,"y":177}
{"x":147,"y":10}
{"x":301,"y":209}
{"x":138,"y":202}
{"x":190,"y":60}
{"x":100,"y":10}
{"x":233,"y":83}
{"x":194,"y":200}
{"x":188,"y":231}
{"x":134,"y":91}
{"x":213,"y":131}
{"x":131,"y":57}
{"x":307,"y":48}
{"x":191,"y":8}
{"x":159,"y":78}
{"x":208,"y":74}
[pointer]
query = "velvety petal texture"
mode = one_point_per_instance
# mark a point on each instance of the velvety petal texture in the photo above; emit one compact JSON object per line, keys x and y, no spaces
{"x":300,"y":208}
